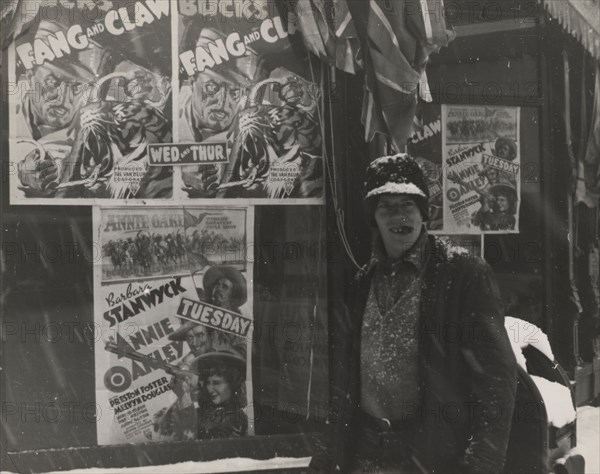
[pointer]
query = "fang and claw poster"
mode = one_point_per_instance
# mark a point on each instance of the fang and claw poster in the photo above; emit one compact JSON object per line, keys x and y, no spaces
{"x":160,"y":100}
{"x":92,"y":88}
{"x":242,"y":88}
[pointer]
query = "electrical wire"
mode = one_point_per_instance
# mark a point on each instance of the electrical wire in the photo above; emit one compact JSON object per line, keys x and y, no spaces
{"x":339,"y":213}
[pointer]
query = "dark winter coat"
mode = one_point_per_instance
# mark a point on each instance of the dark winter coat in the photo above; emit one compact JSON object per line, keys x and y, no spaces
{"x":466,"y":365}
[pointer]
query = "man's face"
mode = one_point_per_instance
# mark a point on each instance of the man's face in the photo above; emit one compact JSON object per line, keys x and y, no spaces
{"x":503,"y":203}
{"x":56,"y":99}
{"x":215,"y":101}
{"x":218,"y":389}
{"x":399,"y":222}
{"x":221,"y":293}
{"x":503,"y":150}
{"x":199,"y":340}
{"x":492,"y":175}
{"x":202,"y":339}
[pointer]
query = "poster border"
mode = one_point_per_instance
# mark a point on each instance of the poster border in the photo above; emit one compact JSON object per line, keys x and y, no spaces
{"x":476,"y":231}
{"x":98,"y":287}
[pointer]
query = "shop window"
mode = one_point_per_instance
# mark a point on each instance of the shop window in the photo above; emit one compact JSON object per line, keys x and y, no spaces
{"x":483,"y":169}
{"x":163,"y":251}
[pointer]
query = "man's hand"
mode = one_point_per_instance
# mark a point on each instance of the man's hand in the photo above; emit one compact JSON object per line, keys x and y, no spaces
{"x":139,"y":85}
{"x":202,"y":181}
{"x":38,"y":176}
{"x":181,"y":384}
{"x":487,"y":202}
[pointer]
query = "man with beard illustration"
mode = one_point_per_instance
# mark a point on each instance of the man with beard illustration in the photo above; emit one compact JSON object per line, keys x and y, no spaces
{"x":91,"y":138}
{"x":54,"y":94}
{"x":209,"y":102}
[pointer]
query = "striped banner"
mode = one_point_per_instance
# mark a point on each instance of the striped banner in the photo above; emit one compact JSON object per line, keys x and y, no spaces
{"x":392,"y":43}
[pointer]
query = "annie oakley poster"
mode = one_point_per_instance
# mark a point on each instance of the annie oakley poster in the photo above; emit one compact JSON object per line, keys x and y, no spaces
{"x":173,"y":310}
{"x":92,"y":88}
{"x":248,"y":124}
{"x":481,"y":169}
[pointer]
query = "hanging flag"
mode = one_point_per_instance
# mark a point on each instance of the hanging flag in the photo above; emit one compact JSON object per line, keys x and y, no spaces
{"x":315,"y":31}
{"x":329,"y":33}
{"x":392,"y":41}
{"x":348,"y":52}
{"x":391,"y":51}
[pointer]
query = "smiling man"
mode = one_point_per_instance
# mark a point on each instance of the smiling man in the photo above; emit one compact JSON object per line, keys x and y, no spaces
{"x":399,"y":222}
{"x":426,"y":335}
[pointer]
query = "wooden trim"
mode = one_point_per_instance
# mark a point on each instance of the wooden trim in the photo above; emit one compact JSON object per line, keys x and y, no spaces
{"x":153,"y":454}
{"x":546,"y":161}
{"x":508,"y":101}
{"x":486,"y":28}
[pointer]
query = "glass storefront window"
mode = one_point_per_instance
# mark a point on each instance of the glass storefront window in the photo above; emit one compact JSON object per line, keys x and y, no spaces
{"x":163,"y":210}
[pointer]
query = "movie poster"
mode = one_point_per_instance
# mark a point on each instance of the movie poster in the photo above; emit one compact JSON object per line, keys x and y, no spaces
{"x":248,"y":124}
{"x":137,"y":245}
{"x":173,"y":353}
{"x":215,"y":237}
{"x":471,"y":243}
{"x":481,"y":178}
{"x":91,"y":89}
{"x":425,"y":146}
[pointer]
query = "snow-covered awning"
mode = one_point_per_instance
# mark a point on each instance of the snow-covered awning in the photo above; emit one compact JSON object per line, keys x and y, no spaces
{"x":580,"y":18}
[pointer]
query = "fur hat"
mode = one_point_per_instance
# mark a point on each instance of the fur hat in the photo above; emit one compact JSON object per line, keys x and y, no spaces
{"x":398,"y":174}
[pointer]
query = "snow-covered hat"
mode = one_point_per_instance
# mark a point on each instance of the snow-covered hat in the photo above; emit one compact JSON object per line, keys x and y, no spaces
{"x":398,"y":174}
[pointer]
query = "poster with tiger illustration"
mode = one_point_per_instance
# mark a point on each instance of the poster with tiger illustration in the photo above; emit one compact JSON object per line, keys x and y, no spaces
{"x":249,"y":102}
{"x":92,"y":88}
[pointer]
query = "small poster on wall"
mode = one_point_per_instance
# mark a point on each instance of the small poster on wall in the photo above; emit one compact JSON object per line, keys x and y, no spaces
{"x":481,"y":169}
{"x":173,"y":309}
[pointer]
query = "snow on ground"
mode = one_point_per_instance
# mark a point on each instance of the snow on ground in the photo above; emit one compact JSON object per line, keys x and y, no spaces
{"x":588,"y":437}
{"x":191,"y":467}
{"x":588,"y":444}
{"x":558,"y":401}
